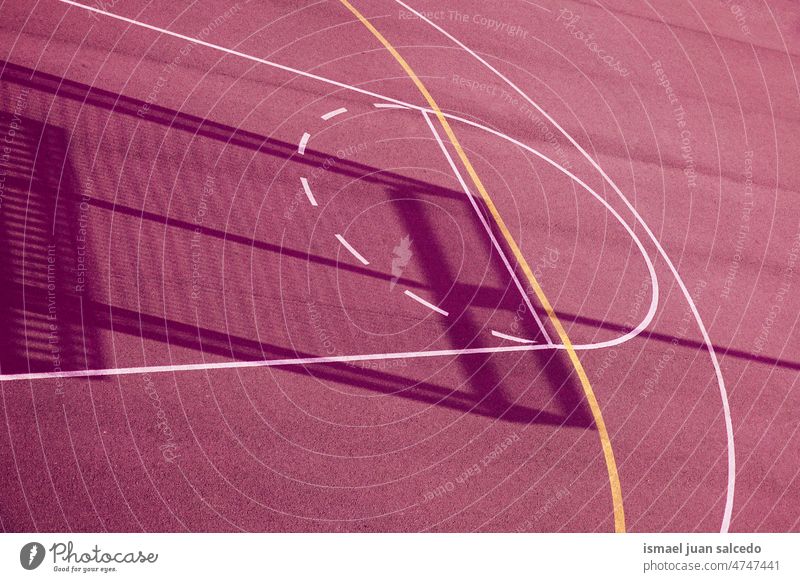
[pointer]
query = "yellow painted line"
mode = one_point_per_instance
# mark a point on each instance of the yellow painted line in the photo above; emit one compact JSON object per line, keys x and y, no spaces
{"x":605,"y":441}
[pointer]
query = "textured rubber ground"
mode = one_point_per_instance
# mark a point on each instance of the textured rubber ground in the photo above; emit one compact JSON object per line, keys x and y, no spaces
{"x":179,"y":212}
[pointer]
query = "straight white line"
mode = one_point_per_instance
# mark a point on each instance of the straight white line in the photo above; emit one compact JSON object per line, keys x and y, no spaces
{"x":651,"y":311}
{"x":723,"y":392}
{"x":392,"y":102}
{"x":353,"y":251}
{"x":403,"y":104}
{"x":512,"y":337}
{"x":473,"y":201}
{"x":419,"y":299}
{"x":307,"y":189}
{"x":334,"y":113}
{"x":301,"y":147}
{"x":266,"y":363}
{"x":389,"y":106}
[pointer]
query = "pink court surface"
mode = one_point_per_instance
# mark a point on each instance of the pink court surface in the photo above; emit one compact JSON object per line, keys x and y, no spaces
{"x":388,"y":266}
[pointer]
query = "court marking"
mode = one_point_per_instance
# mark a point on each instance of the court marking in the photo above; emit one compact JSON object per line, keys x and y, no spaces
{"x":353,"y":251}
{"x":512,"y":338}
{"x":265,"y":363}
{"x":389,"y":106}
{"x":608,"y":453}
{"x":307,"y":190}
{"x":597,"y":415}
{"x":334,"y":113}
{"x":301,"y":147}
{"x":487,"y":228}
{"x":427,"y":304}
{"x":405,"y":105}
{"x":731,"y":483}
{"x":639,"y":219}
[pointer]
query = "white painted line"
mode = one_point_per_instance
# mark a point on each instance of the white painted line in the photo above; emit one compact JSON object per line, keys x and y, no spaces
{"x":487,"y":228}
{"x":648,"y":262}
{"x":391,"y":101}
{"x":307,"y":189}
{"x":301,"y":147}
{"x":238,"y":54}
{"x":723,"y":392}
{"x":389,"y":106}
{"x":353,"y":251}
{"x":512,"y":338}
{"x":266,"y":363}
{"x":334,"y":113}
{"x":419,"y":299}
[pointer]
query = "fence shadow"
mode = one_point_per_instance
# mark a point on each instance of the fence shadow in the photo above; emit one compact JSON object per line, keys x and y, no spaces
{"x":54,"y":194}
{"x":42,"y":258}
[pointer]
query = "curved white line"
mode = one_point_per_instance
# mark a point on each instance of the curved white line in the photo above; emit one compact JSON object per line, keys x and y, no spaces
{"x":512,"y":338}
{"x":307,"y":190}
{"x":427,"y":304}
{"x":651,"y":311}
{"x":726,"y":519}
{"x":353,"y":251}
{"x":473,"y":201}
{"x":396,"y":102}
{"x":707,"y":340}
{"x":301,"y":147}
{"x":334,"y":113}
